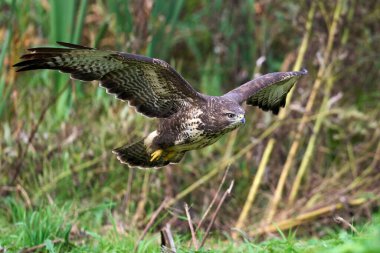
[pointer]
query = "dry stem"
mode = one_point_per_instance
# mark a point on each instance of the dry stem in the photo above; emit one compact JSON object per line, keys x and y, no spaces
{"x":214,"y":199}
{"x":39,"y":246}
{"x":311,"y":143}
{"x":226,"y":193}
{"x":194,"y":238}
{"x":339,"y":219}
{"x":269,"y":147}
{"x":305,"y":217}
{"x":167,"y":241}
{"x":300,"y":129}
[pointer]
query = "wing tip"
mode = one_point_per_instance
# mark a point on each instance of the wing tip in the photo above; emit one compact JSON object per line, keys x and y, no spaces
{"x":303,"y":71}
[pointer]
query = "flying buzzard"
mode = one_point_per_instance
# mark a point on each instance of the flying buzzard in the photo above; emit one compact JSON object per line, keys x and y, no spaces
{"x":187,"y":119}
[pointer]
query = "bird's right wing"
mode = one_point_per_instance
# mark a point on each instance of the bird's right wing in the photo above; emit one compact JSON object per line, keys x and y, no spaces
{"x":151,"y":85}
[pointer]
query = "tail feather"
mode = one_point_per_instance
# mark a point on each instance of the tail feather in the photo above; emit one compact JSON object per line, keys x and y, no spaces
{"x":137,"y":155}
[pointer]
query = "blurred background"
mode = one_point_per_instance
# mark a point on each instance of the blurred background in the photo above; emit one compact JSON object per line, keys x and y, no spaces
{"x":318,"y":159}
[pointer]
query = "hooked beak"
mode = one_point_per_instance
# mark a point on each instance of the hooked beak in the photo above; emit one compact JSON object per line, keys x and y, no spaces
{"x":242,"y":118}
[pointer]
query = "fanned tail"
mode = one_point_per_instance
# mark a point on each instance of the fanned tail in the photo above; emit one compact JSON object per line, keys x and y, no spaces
{"x":136,"y":154}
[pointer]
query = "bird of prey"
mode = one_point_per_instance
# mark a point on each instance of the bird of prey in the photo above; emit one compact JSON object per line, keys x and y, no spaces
{"x":187,"y":119}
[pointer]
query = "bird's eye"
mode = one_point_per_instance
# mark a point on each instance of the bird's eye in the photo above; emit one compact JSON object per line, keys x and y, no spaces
{"x":230,"y":115}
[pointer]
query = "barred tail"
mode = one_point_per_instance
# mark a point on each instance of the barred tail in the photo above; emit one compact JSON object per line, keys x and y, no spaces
{"x":137,"y":154}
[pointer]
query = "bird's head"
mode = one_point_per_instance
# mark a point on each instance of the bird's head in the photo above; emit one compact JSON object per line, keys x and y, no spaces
{"x":226,"y":115}
{"x":232,"y":116}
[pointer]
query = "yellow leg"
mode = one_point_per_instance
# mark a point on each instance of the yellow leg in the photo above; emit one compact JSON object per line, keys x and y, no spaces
{"x":170,"y":155}
{"x":156,"y":155}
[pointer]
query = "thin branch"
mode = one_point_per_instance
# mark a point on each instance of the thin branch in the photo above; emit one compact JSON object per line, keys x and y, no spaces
{"x":167,"y":241}
{"x":214,"y":199}
{"x":339,"y":219}
{"x":194,"y":238}
{"x":226,"y":193}
{"x":40,"y":246}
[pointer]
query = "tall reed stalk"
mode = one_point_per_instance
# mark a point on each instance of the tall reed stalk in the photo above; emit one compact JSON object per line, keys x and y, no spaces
{"x":301,"y":127}
{"x":65,"y":27}
{"x":269,"y":147}
{"x":330,"y":80}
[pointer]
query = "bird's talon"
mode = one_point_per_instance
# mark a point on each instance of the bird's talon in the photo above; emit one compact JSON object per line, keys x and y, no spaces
{"x":156,"y":155}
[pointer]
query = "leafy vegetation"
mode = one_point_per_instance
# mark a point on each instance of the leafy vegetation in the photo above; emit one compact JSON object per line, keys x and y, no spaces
{"x":63,"y":190}
{"x":55,"y":229}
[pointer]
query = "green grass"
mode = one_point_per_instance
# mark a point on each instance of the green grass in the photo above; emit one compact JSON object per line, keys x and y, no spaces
{"x":72,"y":229}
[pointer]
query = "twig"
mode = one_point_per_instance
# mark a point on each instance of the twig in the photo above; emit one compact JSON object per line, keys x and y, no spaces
{"x":193,"y":186}
{"x":226,"y":193}
{"x":214,"y":199}
{"x":150,"y":223}
{"x":194,"y":238}
{"x":167,"y":241}
{"x":339,"y":219}
{"x":39,"y":246}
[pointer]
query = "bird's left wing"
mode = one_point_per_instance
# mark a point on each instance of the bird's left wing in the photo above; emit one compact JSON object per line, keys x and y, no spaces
{"x":151,"y":85}
{"x":268,"y":92}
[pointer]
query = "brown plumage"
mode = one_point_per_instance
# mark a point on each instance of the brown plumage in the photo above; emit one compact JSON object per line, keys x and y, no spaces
{"x":187,"y":119}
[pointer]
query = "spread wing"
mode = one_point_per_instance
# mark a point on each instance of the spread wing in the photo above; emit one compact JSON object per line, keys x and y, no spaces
{"x":268,"y":92}
{"x":151,"y":85}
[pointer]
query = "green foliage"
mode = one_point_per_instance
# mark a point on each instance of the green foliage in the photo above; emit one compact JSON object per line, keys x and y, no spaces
{"x":42,"y":226}
{"x":33,"y":227}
